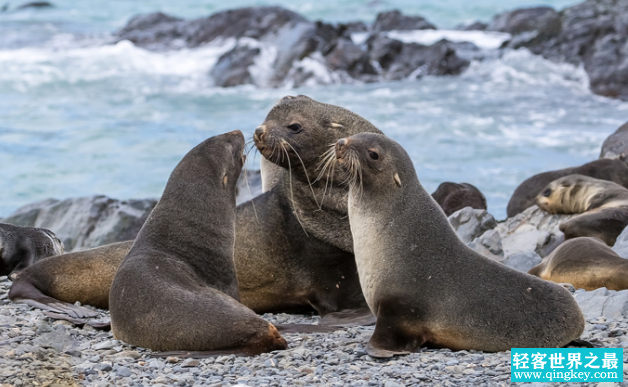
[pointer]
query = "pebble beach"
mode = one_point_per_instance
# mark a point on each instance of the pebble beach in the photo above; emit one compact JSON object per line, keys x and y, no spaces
{"x":36,"y":350}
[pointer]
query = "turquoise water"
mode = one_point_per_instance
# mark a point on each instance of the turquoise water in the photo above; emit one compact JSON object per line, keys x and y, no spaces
{"x":80,"y":117}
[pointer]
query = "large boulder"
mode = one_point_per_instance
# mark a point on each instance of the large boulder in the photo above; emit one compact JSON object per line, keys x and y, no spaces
{"x":544,"y":21}
{"x":86,"y":222}
{"x":400,"y":60}
{"x":470,"y":223}
{"x":395,"y":20}
{"x":610,"y":304}
{"x":621,"y":244}
{"x":616,"y":145}
{"x":159,"y":31}
{"x":232,"y":68}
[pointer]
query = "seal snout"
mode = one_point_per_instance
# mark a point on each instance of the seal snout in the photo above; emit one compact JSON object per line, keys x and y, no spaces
{"x":260,"y":131}
{"x":340,"y":147}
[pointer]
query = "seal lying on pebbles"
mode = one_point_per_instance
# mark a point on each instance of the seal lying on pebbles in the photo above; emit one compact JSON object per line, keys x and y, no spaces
{"x":20,"y":247}
{"x":177,"y":288}
{"x":56,"y":283}
{"x":586,"y":263}
{"x":603,"y":205}
{"x":452,"y":197}
{"x":425,"y":286}
{"x":604,"y":169}
{"x":294,"y":250}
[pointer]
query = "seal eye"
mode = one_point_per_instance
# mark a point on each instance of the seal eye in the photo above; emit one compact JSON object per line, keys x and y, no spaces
{"x":296,"y":128}
{"x":547,"y":192}
{"x":373,"y":155}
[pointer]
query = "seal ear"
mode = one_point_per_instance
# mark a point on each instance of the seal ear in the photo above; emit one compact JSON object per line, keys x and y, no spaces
{"x":224,"y":181}
{"x":336,"y":125}
{"x":397,"y":179}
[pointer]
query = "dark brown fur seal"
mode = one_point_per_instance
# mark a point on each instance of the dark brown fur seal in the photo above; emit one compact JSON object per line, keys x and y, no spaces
{"x":177,"y":288}
{"x":20,"y":247}
{"x":415,"y":271}
{"x":56,"y":283}
{"x":603,"y":205}
{"x":586,"y":263}
{"x":294,"y":251}
{"x":452,"y":197}
{"x":604,"y":169}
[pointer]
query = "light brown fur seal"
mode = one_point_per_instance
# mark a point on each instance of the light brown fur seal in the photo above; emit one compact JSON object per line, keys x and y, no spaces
{"x":20,"y":247}
{"x":603,"y":205}
{"x":586,"y":263}
{"x":425,"y":286}
{"x":177,"y":288}
{"x":605,"y":169}
{"x":294,"y":251}
{"x":56,"y":283}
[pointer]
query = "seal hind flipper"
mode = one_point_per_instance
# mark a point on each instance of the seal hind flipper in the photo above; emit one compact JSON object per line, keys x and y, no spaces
{"x":79,"y":321}
{"x":390,"y":338}
{"x":24,"y":292}
{"x":350,"y":317}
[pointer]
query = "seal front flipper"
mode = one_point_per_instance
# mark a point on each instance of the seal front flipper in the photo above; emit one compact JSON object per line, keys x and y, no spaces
{"x":80,"y":321}
{"x":306,"y":328}
{"x":24,"y":292}
{"x":349,"y":317}
{"x":390,"y":337}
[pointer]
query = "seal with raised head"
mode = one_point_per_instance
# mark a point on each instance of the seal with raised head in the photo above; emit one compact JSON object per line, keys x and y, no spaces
{"x":586,"y":263}
{"x":603,"y":205}
{"x":425,"y":286}
{"x":177,"y":288}
{"x":57,"y":282}
{"x":452,"y":197}
{"x":294,"y":250}
{"x":604,"y":169}
{"x":20,"y":247}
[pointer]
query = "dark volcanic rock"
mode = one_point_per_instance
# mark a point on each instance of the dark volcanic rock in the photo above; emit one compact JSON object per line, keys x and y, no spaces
{"x":400,"y":60}
{"x":159,"y":31}
{"x":594,"y":33}
{"x":347,"y":56}
{"x":616,"y":145}
{"x":232,"y":68}
{"x":544,"y":20}
{"x":475,"y":26}
{"x":395,"y":20}
{"x":87,"y":222}
{"x":35,"y":4}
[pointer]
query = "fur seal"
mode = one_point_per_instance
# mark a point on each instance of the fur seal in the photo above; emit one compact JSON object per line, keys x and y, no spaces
{"x":177,"y":288}
{"x":604,"y":169}
{"x":586,"y":263}
{"x":56,"y":283}
{"x":603,"y":205}
{"x":294,"y":250}
{"x":414,"y":270}
{"x":452,"y":197}
{"x":20,"y":247}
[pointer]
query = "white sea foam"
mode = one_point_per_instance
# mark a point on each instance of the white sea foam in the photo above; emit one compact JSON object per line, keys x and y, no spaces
{"x":482,"y":39}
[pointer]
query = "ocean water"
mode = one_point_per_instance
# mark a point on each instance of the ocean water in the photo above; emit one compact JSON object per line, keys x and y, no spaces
{"x":80,"y":116}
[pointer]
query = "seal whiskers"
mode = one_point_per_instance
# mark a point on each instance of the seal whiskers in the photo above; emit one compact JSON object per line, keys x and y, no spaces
{"x":294,"y":207}
{"x":307,"y":177}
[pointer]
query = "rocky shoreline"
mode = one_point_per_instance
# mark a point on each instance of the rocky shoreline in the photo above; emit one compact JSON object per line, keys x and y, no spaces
{"x":275,"y":47}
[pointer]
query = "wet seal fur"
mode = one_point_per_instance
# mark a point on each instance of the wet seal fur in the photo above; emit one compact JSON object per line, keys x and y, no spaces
{"x":452,"y":197}
{"x":414,"y":270}
{"x":603,"y":205}
{"x":177,"y":288}
{"x":586,"y":263}
{"x":20,"y":247}
{"x":294,"y":251}
{"x":56,"y":283}
{"x":604,"y":169}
